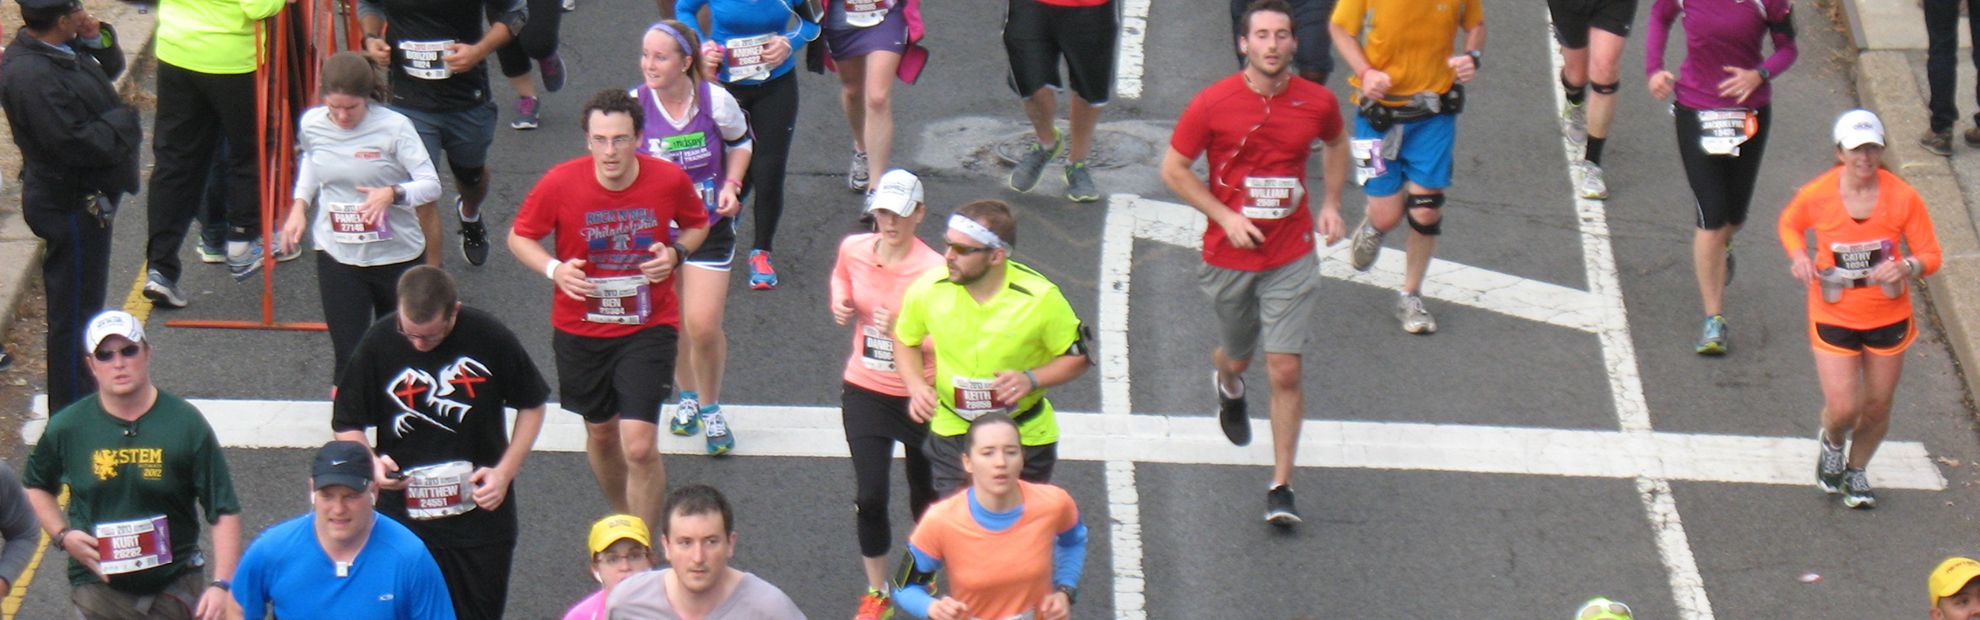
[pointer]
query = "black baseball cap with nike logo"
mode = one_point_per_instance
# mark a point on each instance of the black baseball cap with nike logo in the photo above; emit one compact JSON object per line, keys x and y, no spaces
{"x":342,"y":463}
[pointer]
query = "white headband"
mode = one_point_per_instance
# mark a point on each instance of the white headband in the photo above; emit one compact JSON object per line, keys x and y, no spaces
{"x":973,"y":230}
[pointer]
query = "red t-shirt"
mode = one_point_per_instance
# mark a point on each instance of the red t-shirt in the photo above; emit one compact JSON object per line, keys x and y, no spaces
{"x":1257,"y":153}
{"x":613,"y":233}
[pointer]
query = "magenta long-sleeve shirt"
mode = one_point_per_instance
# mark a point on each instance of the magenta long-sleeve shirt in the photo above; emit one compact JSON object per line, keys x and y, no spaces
{"x":1718,"y":34}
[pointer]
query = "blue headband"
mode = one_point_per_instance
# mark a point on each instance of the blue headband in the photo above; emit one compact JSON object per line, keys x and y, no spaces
{"x":676,"y":34}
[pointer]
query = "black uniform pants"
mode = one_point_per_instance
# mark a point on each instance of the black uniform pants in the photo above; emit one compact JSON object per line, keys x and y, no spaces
{"x":75,"y":268}
{"x":190,"y":107}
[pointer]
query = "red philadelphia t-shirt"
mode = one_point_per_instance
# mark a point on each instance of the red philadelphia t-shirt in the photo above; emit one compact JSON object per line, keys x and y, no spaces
{"x":1257,"y":150}
{"x":613,"y":232}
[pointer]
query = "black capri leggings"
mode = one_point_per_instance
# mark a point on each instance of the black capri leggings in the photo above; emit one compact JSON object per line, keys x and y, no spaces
{"x":1721,"y":187}
{"x":874,"y":422}
{"x":353,"y":298}
{"x":772,"y":108}
{"x":537,"y":40}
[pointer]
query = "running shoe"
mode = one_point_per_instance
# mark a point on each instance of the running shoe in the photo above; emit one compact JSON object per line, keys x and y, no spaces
{"x":551,"y":68}
{"x":1029,"y":167}
{"x":244,"y":264}
{"x":1856,"y":490}
{"x":1079,"y":183}
{"x":1231,"y":412}
{"x":715,"y":427}
{"x":857,"y":177}
{"x":686,"y":420}
{"x":1574,"y":123}
{"x":162,"y":292}
{"x":1279,"y":508}
{"x":1732,"y":264}
{"x":1367,"y":245}
{"x":1414,"y":317}
{"x":1712,"y":336}
{"x":1973,"y":137}
{"x":526,"y":118}
{"x":762,"y":275}
{"x":212,"y":253}
{"x":568,"y":5}
{"x":1829,"y":466}
{"x":286,"y":253}
{"x":1588,"y":181}
{"x":474,"y":238}
{"x":1937,"y":142}
{"x":875,"y":605}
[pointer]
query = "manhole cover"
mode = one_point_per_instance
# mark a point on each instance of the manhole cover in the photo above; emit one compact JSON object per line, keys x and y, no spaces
{"x":1111,"y":149}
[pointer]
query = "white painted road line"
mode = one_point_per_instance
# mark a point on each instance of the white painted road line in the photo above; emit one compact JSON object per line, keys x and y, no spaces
{"x":1128,"y":62}
{"x":1123,"y":498}
{"x":1195,"y":440}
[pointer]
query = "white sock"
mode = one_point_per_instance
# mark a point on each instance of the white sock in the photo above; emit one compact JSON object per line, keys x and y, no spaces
{"x":461,"y":210}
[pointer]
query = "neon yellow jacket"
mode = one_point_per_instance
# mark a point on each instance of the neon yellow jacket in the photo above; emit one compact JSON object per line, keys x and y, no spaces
{"x":211,"y":36}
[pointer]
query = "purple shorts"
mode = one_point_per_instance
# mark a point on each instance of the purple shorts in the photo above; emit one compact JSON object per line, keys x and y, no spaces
{"x":890,"y":35}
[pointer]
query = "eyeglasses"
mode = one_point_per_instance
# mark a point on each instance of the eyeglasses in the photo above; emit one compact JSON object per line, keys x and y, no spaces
{"x":613,"y":559}
{"x":599,"y":142}
{"x":964,"y":250}
{"x":425,"y":337}
{"x":129,"y":350}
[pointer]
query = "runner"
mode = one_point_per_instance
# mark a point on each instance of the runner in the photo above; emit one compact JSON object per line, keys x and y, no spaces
{"x":17,"y":527}
{"x":342,"y":559}
{"x":434,"y":379}
{"x":1259,"y":269}
{"x":1955,"y":588}
{"x":440,"y":82}
{"x":1314,"y":58}
{"x":872,"y":272}
{"x":143,"y":470}
{"x":699,"y":127}
{"x":1591,"y":33}
{"x":699,"y":537}
{"x":1010,"y":547}
{"x":614,"y":307}
{"x":538,"y":42}
{"x":755,"y":44}
{"x":1037,"y":35}
{"x":366,"y":167}
{"x":1723,"y":116}
{"x":867,"y":40}
{"x":1005,"y":335}
{"x":1859,"y":304}
{"x":1409,"y":90}
{"x":620,"y":548}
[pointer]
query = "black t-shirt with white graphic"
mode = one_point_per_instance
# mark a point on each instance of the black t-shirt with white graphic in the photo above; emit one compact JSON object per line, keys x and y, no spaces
{"x":438,"y":406}
{"x":419,"y":32}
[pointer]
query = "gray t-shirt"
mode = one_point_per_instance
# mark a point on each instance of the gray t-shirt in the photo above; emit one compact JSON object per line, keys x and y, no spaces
{"x":17,"y":525}
{"x":644,"y":597}
{"x":383,"y":150}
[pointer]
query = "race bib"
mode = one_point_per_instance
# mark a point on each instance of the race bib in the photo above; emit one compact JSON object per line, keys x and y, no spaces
{"x":866,"y":13}
{"x":1271,"y":198}
{"x":1855,"y":261}
{"x":745,"y":58}
{"x":1720,"y":132}
{"x":347,"y":224}
{"x":426,"y":60}
{"x":623,"y":300}
{"x":1368,"y":162}
{"x":439,"y":490}
{"x":876,"y":350}
{"x":974,"y":397}
{"x":131,"y":546}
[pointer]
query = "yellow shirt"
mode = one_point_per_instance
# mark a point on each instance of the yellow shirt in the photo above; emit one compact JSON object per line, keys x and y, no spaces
{"x":1024,"y":326}
{"x":1411,"y":40}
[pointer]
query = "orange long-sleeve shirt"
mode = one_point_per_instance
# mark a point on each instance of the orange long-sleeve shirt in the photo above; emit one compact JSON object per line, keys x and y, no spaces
{"x":1840,"y":240}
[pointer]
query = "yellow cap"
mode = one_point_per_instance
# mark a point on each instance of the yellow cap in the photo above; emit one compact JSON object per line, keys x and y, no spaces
{"x":1951,"y":576}
{"x":610,"y":529}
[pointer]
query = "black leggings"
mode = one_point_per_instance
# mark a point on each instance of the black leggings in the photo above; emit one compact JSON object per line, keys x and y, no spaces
{"x":874,"y":422}
{"x":537,"y":40}
{"x":353,"y":298}
{"x":1722,"y":187}
{"x":772,"y":108}
{"x":194,"y":111}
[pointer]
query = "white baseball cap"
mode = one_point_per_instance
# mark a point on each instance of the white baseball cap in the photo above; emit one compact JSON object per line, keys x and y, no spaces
{"x":899,"y":191}
{"x":112,"y":323}
{"x":1859,"y":127}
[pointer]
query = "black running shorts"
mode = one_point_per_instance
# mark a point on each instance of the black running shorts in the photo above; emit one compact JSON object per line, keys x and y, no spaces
{"x":1573,"y":18}
{"x":624,"y":378}
{"x":1038,"y":35}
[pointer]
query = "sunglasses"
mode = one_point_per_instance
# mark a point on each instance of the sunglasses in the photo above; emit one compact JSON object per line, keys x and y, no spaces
{"x":964,"y":250}
{"x":129,"y":350}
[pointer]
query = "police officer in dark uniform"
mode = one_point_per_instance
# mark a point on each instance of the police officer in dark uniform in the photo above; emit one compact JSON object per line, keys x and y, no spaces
{"x":79,"y":142}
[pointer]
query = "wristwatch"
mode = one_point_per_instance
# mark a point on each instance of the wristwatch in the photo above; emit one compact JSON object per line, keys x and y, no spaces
{"x":1477,"y":59}
{"x":1765,"y":75}
{"x":1072,"y":593}
{"x":222,"y":584}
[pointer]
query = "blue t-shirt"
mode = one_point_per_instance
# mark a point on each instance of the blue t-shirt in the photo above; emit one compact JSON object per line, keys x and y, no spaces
{"x":733,"y":19}
{"x":393,"y":577}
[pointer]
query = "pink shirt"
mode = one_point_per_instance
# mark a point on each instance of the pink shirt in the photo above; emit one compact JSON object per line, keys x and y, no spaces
{"x":859,"y":276}
{"x":591,"y":608}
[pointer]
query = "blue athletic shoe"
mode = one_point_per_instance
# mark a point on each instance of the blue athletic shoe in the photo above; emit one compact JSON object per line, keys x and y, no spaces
{"x":686,"y":420}
{"x":716,"y":428}
{"x":762,"y":276}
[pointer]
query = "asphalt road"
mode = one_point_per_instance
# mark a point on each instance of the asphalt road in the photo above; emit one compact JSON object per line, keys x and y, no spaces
{"x":1495,"y":469}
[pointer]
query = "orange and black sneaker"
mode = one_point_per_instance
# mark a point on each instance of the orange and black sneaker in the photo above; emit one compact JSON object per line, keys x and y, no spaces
{"x":875,"y":605}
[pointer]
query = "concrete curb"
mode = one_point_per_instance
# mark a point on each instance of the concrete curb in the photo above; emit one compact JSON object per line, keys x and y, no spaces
{"x":20,"y":250}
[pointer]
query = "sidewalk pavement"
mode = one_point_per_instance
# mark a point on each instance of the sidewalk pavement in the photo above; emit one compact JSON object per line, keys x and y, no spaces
{"x":1890,"y":80}
{"x":20,"y":250}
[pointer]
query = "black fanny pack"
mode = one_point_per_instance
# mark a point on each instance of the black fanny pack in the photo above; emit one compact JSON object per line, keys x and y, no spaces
{"x":1382,"y":117}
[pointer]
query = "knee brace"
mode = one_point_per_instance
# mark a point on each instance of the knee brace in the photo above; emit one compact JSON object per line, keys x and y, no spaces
{"x":1575,"y":94}
{"x":466,"y":177}
{"x":1424,"y":201}
{"x":1606,"y":89}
